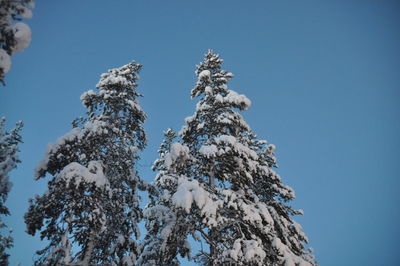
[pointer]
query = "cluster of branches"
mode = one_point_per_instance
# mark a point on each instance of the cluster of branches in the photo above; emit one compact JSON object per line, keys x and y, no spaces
{"x":15,"y":35}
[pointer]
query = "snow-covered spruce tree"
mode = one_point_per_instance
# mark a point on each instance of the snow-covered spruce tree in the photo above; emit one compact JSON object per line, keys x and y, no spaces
{"x":222,"y":185}
{"x":90,"y":212}
{"x":15,"y":36}
{"x":8,"y":161}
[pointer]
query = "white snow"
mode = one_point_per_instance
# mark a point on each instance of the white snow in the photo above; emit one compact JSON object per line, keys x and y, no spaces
{"x":235,"y":118}
{"x":202,"y":106}
{"x":234,"y":253}
{"x":285,"y":190}
{"x":8,"y":159}
{"x":190,"y":192}
{"x":53,"y":147}
{"x":118,"y":76}
{"x":22,"y":35}
{"x":18,"y":33}
{"x":190,"y":119}
{"x":208,"y":150}
{"x":177,"y":152}
{"x":252,"y":250}
{"x":208,"y":90}
{"x":26,"y":12}
{"x":95,"y":127}
{"x":253,"y":212}
{"x":183,"y":197}
{"x":92,"y":174}
{"x":265,"y":214}
{"x":239,"y":147}
{"x":87,"y":94}
{"x":205,"y":74}
{"x":108,"y":80}
{"x":219,"y":98}
{"x":5,"y":61}
{"x":164,"y":215}
{"x":287,"y":256}
{"x":271,"y":147}
{"x":200,"y":126}
{"x":237,"y":99}
{"x":249,"y":250}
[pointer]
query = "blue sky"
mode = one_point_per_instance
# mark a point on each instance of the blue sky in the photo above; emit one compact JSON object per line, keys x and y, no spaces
{"x":323,"y":77}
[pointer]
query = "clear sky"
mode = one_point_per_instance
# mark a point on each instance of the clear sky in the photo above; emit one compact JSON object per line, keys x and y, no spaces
{"x":323,"y":77}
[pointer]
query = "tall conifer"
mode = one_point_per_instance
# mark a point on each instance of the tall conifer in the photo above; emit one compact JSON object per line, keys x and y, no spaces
{"x":219,"y":186}
{"x":90,"y":212}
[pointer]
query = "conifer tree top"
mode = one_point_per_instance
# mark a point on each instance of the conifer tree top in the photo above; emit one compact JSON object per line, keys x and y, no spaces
{"x":113,"y":112}
{"x":212,"y":81}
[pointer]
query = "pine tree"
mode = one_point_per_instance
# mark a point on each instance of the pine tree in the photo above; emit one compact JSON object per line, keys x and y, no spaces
{"x":223,"y":189}
{"x":92,"y":202}
{"x":15,"y":36}
{"x":8,"y":161}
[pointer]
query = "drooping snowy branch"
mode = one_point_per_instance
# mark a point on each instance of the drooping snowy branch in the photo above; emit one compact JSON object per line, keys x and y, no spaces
{"x":15,"y":36}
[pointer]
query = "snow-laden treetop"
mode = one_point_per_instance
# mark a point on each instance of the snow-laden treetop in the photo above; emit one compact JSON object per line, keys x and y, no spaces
{"x":114,"y":117}
{"x":215,"y":112}
{"x":212,"y":81}
{"x":116,"y":92}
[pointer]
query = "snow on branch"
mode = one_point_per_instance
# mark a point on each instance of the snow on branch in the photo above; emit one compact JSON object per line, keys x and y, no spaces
{"x":15,"y":36}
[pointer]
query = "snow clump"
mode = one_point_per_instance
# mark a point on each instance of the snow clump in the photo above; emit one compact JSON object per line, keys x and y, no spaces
{"x":5,"y":61}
